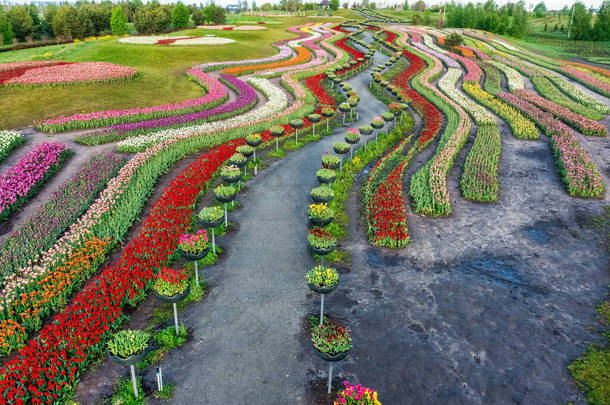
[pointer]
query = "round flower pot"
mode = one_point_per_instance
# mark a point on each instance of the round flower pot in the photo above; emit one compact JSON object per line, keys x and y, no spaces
{"x":231,"y":179}
{"x":322,"y":252}
{"x":254,"y":144}
{"x":332,"y":166}
{"x":131,"y":360}
{"x":212,"y":224}
{"x":239,"y":164}
{"x":174,"y":298}
{"x":196,"y":257}
{"x":320,"y":199}
{"x":223,"y":199}
{"x":328,"y":357}
{"x":352,"y":141}
{"x":320,"y":222}
{"x":322,"y":290}
{"x":326,"y":179}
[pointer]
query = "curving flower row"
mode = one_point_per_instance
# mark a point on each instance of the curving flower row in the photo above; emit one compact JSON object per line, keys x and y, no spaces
{"x":40,"y":230}
{"x":589,"y":80}
{"x":514,"y":79}
{"x":217,"y":93}
{"x":447,"y":84}
{"x":577,"y":121}
{"x":21,"y":181}
{"x":479,"y":181}
{"x":303,"y":55}
{"x":577,"y":170}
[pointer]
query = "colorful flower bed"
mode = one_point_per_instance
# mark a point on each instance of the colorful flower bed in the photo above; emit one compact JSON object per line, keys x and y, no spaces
{"x":549,"y":91}
{"x":233,"y":27}
{"x":577,"y":170}
{"x":217,"y":94}
{"x":303,"y":55}
{"x":521,"y":126}
{"x":577,"y":121}
{"x":514,"y":78}
{"x":21,"y":181}
{"x":176,"y":40}
{"x":448,"y":83}
{"x":579,"y":95}
{"x":479,"y":180}
{"x":246,"y":99}
{"x":285,"y":52}
{"x":40,"y":230}
{"x":588,"y":80}
{"x":68,"y":73}
{"x":357,"y":395}
{"x":9,"y":140}
{"x":314,"y":83}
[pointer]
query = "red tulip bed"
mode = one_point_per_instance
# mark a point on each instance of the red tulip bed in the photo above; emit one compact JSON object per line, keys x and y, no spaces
{"x":314,"y":83}
{"x":66,"y":73}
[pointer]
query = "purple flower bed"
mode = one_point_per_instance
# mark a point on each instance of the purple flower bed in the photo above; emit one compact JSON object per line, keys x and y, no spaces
{"x":246,"y":98}
{"x":448,"y":61}
{"x":577,"y":170}
{"x":21,"y":181}
{"x":40,"y":231}
{"x":216,"y":94}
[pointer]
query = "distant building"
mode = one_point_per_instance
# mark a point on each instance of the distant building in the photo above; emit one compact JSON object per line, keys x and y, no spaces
{"x":324,"y":4}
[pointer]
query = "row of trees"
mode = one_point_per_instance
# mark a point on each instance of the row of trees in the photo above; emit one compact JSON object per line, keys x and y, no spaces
{"x":583,"y":28}
{"x":28,"y":22}
{"x":509,"y":19}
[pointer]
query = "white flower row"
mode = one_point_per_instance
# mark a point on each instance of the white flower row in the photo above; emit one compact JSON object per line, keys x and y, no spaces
{"x":180,"y":40}
{"x":447,"y":84}
{"x":515,"y":80}
{"x":577,"y":94}
{"x":8,"y":140}
{"x":429,"y":42}
{"x":277,"y":101}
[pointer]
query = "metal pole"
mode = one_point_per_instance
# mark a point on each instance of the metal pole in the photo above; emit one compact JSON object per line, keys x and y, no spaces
{"x":196,"y":274}
{"x":351,"y":152}
{"x":277,"y":147}
{"x":176,"y":319}
{"x":213,"y":242}
{"x":226,"y":220}
{"x":255,"y":168}
{"x":330,"y":375}
{"x":133,"y":380}
{"x":340,"y":162}
{"x":321,"y":309}
{"x":571,"y":18}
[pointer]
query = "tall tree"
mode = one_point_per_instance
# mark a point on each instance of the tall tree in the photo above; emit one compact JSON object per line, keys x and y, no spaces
{"x":581,"y":24}
{"x":540,"y":10}
{"x":180,"y":16}
{"x":601,"y":31}
{"x":334,"y":5}
{"x":21,"y":21}
{"x":405,"y":5}
{"x":118,"y":22}
{"x":6,"y":31}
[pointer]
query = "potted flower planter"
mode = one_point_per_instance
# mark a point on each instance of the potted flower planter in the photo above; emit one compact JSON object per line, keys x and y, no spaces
{"x":131,"y":360}
{"x":320,"y":199}
{"x":231,"y":179}
{"x":320,"y":222}
{"x":211,"y":224}
{"x":322,"y":251}
{"x":326,"y":180}
{"x":322,"y":290}
{"x":333,"y":358}
{"x":194,"y":258}
{"x":174,"y":298}
{"x":226,"y":199}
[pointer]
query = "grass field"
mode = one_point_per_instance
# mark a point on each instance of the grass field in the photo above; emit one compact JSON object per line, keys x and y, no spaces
{"x":161,"y":73}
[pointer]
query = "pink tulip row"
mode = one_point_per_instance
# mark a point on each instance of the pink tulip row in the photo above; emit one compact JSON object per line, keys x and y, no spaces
{"x":577,"y":170}
{"x":72,"y":73}
{"x":587,"y":79}
{"x":473,"y":71}
{"x":217,"y":92}
{"x":583,"y":124}
{"x":22,"y":180}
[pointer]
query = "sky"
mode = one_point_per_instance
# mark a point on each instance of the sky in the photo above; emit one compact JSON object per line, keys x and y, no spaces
{"x":550,"y":4}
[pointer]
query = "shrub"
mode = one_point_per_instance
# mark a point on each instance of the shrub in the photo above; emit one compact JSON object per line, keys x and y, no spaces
{"x":180,"y":16}
{"x":126,"y":343}
{"x":118,"y":22}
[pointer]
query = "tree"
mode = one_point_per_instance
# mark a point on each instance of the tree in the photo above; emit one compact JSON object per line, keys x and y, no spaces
{"x":66,"y":23}
{"x":334,"y":5}
{"x":581,"y":24}
{"x":46,"y":27}
{"x":405,"y":5}
{"x":419,"y":6}
{"x":453,"y":39}
{"x":180,"y":16}
{"x":601,"y":31}
{"x":244,"y":6}
{"x":118,"y":22}
{"x":35,"y":14}
{"x":21,"y":21}
{"x":217,"y":14}
{"x":198,"y":16}
{"x":266,"y":7}
{"x":152,"y":18}
{"x":540,"y":10}
{"x":373,"y":5}
{"x":6,"y":31}
{"x":416,"y":19}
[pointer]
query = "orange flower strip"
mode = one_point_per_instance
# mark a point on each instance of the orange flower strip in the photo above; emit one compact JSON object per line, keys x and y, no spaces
{"x":53,"y":291}
{"x":303,"y":55}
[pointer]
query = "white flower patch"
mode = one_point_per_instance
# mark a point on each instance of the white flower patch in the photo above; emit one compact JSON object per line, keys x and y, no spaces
{"x":515,"y":80}
{"x":204,"y":41}
{"x":147,"y":40}
{"x":447,"y":84}
{"x":577,"y":94}
{"x":276,"y":102}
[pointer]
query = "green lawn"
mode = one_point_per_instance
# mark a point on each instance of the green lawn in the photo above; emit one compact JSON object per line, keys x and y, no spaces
{"x":160,"y":79}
